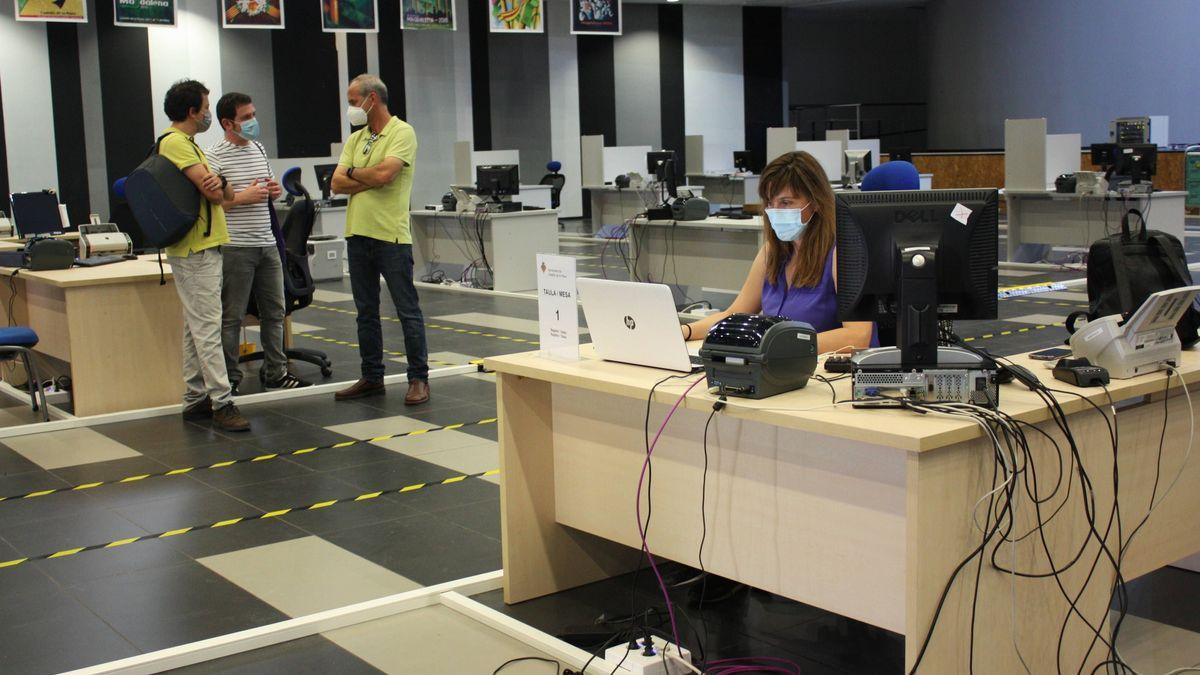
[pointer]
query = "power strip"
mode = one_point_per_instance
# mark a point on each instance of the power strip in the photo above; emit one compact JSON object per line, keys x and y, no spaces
{"x":637,"y":662}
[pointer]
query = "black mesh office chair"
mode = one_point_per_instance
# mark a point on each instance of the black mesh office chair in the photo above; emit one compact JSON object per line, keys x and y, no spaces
{"x":556,"y":181}
{"x":298,"y":285}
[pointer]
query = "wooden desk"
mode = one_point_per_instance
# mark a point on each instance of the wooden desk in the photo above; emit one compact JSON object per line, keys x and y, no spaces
{"x":862,"y":513}
{"x":729,"y":189}
{"x":714,"y":253}
{"x":120,"y":331}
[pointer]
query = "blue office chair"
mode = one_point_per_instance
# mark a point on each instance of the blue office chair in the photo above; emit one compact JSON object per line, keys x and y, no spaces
{"x":20,"y":340}
{"x":555,"y":180}
{"x":298,"y":285}
{"x":896,"y":175}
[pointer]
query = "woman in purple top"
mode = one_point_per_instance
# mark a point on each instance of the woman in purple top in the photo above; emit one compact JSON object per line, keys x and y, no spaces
{"x":794,"y":274}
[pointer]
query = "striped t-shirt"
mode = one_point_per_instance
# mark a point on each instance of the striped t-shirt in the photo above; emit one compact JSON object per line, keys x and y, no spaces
{"x":249,"y":224}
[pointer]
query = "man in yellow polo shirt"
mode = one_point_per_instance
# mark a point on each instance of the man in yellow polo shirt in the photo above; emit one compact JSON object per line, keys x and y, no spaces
{"x":376,"y":170}
{"x":196,"y":262}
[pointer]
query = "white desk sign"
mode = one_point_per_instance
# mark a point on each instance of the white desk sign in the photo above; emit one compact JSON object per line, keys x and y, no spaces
{"x":558,"y":313}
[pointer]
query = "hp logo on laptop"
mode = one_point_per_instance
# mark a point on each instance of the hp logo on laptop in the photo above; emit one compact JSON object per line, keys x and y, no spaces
{"x":630,"y":323}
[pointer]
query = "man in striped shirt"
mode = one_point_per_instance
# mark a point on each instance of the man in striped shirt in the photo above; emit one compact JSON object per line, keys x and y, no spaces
{"x":251,"y":258}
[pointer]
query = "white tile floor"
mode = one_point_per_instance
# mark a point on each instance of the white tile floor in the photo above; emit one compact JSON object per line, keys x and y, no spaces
{"x":70,"y":447}
{"x":409,"y":445}
{"x":307,"y":575}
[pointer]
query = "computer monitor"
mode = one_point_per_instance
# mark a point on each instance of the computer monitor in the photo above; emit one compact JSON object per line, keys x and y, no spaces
{"x":36,"y":213}
{"x":661,"y":165}
{"x":1104,"y":154}
{"x":496,"y":180}
{"x":324,"y":173}
{"x":741,"y":161}
{"x":914,"y":257}
{"x":1136,"y":160}
{"x":857,"y":164}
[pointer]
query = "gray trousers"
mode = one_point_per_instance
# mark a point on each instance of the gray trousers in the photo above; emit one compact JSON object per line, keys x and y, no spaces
{"x":253,"y":270}
{"x":198,"y":282}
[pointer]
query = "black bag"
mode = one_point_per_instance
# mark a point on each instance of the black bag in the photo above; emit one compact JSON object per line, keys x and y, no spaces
{"x":164,"y":201}
{"x":1124,"y":269}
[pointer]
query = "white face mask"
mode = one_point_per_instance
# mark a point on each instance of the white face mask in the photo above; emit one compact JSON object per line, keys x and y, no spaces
{"x":356,"y":116}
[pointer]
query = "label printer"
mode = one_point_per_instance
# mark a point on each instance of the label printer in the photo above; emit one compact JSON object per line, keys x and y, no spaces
{"x":755,"y":356}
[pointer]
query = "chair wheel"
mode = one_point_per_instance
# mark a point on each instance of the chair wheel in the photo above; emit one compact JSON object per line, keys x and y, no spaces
{"x":327,"y":372}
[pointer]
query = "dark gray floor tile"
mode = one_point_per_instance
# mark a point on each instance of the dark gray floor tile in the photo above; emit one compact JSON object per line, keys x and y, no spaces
{"x":24,"y":579}
{"x":313,"y":654}
{"x":114,"y":469}
{"x":426,"y":548}
{"x":60,"y":505}
{"x":482,"y":517}
{"x":52,"y":632}
{"x":321,"y":411}
{"x":164,"y":607}
{"x":403,"y":471}
{"x":106,"y":562}
{"x":88,"y":527}
{"x":205,"y":455}
{"x":302,"y":491}
{"x":115,"y":495}
{"x":266,"y":423}
{"x":167,"y":431}
{"x":250,"y":473}
{"x":1170,"y":595}
{"x":13,"y":462}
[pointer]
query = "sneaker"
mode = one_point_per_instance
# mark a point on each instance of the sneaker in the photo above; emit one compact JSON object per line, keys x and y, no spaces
{"x":288,"y":381}
{"x":229,"y":418}
{"x":200,"y":410}
{"x":233,"y":389}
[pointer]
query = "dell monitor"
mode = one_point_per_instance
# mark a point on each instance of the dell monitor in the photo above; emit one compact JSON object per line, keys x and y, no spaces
{"x":661,"y":165}
{"x":36,"y":213}
{"x":741,"y":161}
{"x":324,"y":173}
{"x":914,"y":257}
{"x":497,"y":180}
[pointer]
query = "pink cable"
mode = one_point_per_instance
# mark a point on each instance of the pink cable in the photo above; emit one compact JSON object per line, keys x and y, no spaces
{"x":641,"y":479}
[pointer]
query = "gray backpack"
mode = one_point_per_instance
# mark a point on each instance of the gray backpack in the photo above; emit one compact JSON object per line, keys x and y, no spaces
{"x":164,"y":201}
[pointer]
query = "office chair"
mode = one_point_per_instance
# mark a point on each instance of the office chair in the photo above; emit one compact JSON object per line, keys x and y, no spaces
{"x":893,"y":175}
{"x":20,"y":341}
{"x":555,"y":180}
{"x":298,"y":285}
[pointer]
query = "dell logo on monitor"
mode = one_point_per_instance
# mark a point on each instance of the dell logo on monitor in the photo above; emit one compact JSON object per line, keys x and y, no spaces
{"x":914,"y":216}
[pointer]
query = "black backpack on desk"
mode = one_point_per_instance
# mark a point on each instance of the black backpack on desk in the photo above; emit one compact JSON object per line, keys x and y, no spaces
{"x":1124,"y":269}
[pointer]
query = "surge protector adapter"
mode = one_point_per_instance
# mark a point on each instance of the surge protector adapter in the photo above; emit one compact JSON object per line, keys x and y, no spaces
{"x":637,"y":663}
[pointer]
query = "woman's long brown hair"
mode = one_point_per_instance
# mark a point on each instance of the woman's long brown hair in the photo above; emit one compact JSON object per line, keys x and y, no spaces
{"x":802,"y":173}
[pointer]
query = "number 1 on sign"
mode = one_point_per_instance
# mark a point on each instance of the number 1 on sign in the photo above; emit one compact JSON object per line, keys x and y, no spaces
{"x":557,"y":317}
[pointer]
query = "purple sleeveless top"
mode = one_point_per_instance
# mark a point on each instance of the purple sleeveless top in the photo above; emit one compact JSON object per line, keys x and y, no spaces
{"x":816,"y":305}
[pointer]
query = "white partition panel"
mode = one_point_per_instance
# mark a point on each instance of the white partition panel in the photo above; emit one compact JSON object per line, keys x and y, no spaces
{"x":828,"y":153}
{"x":1063,"y":155}
{"x":624,"y":159}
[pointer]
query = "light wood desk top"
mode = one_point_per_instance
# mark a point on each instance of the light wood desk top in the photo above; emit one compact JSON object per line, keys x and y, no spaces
{"x":811,"y":410}
{"x":139,"y":270}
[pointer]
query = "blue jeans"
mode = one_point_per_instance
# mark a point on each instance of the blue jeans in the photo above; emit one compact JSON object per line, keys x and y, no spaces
{"x":370,"y":259}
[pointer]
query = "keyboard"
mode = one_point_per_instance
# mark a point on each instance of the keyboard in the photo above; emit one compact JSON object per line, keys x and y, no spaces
{"x":100,"y":260}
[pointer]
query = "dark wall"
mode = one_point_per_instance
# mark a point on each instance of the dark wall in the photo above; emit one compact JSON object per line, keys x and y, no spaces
{"x":306,"y":84}
{"x":670,"y":64}
{"x":70,"y":148}
{"x":762,"y":62}
{"x":125,"y":98}
{"x":597,"y":88}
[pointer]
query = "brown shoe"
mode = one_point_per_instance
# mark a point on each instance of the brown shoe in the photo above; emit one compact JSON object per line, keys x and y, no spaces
{"x":200,"y":410}
{"x":229,"y":418}
{"x":418,"y":392}
{"x":360,"y":389}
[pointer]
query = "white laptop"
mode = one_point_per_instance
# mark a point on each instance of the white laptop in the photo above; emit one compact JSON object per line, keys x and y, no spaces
{"x":636,"y":323}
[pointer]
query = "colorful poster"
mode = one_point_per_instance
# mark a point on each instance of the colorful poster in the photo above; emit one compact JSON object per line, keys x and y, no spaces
{"x":141,"y":13}
{"x":51,"y":10}
{"x":350,"y":16}
{"x":517,"y":16}
{"x":427,"y":15}
{"x":252,"y":14}
{"x":596,"y":17}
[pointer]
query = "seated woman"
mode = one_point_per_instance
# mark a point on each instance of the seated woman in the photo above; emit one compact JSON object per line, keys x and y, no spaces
{"x":794,"y":274}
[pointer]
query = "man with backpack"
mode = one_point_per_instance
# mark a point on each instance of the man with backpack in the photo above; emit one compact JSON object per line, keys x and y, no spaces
{"x":196,"y":261}
{"x":251,"y":261}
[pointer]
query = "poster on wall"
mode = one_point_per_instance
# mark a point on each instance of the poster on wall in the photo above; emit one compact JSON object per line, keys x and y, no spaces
{"x":252,"y":14}
{"x":51,"y":10}
{"x":350,"y":16}
{"x":427,"y":15}
{"x":595,"y":17}
{"x":141,"y":13}
{"x":516,"y":16}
